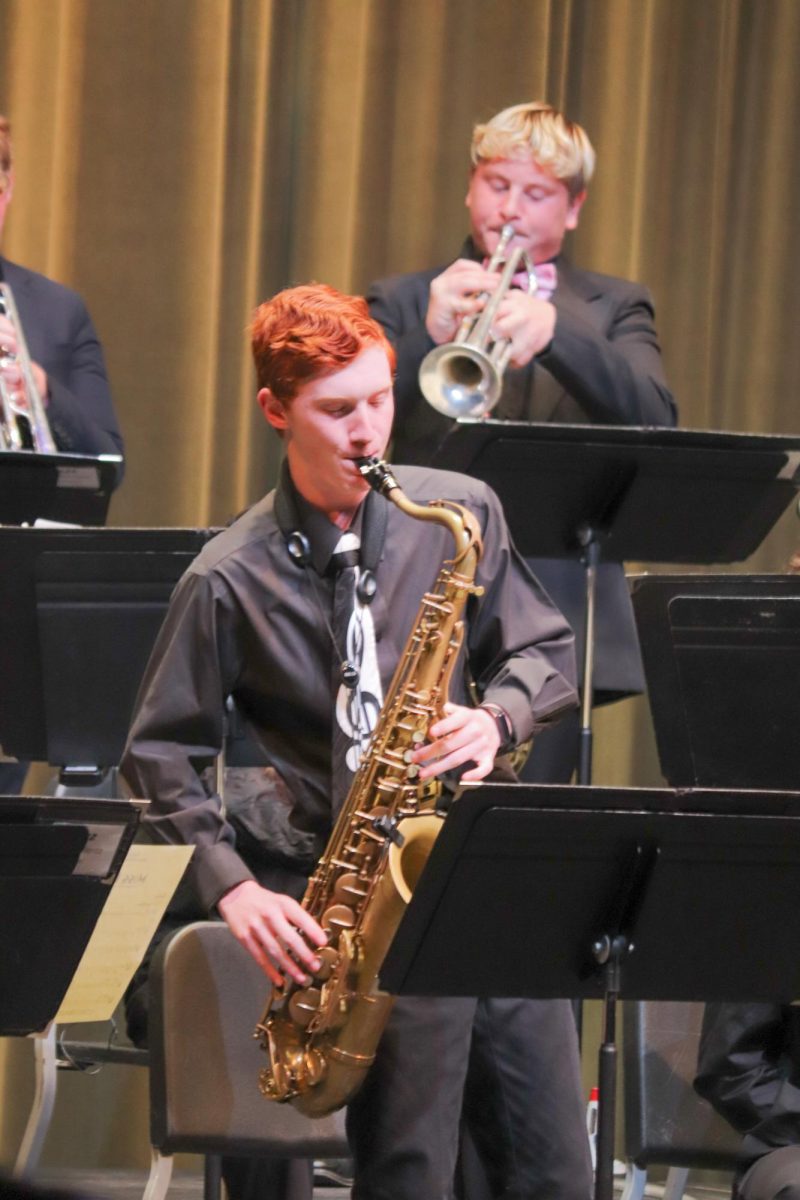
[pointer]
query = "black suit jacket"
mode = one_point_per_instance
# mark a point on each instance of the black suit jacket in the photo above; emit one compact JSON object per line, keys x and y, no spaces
{"x":603,"y":367}
{"x":62,"y":340}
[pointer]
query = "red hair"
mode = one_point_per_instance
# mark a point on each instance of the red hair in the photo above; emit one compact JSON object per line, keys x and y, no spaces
{"x":307,"y":331}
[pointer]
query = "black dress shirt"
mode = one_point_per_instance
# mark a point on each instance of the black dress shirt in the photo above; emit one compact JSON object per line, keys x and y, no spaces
{"x":246,"y":621}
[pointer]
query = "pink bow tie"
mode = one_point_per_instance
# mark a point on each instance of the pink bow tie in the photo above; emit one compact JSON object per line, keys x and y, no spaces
{"x":546,"y":279}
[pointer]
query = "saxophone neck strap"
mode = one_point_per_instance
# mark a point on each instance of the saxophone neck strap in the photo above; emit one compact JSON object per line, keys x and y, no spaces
{"x":375,"y":516}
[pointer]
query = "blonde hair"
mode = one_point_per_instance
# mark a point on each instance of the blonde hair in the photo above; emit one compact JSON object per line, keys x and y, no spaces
{"x":541,"y":132}
{"x":5,"y":151}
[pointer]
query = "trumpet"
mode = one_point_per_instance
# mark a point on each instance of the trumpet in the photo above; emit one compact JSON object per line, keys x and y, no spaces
{"x":464,"y":378}
{"x":23,"y":423}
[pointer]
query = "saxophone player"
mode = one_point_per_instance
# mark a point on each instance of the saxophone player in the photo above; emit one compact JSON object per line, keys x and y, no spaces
{"x":300,"y":611}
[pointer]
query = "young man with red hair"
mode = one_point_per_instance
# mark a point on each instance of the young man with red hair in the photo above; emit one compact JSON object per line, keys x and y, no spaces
{"x":255,"y":619}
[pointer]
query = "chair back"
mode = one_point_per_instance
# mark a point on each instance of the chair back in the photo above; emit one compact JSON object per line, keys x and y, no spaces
{"x":206,"y":995}
{"x":665,"y":1120}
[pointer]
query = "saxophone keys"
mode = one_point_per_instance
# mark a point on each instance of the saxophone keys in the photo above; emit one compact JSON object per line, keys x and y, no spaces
{"x":315,"y":1068}
{"x":337,"y":918}
{"x":328,"y":958}
{"x":303,"y":1005}
{"x":350,"y":887}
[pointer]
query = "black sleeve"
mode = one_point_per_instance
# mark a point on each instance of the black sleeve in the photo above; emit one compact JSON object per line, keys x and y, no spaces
{"x":748,"y":1070}
{"x":177,"y":732}
{"x":521,"y":648}
{"x":617,"y":377}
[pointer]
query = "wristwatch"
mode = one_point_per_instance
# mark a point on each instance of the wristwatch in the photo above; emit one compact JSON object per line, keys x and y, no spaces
{"x":503,"y":722}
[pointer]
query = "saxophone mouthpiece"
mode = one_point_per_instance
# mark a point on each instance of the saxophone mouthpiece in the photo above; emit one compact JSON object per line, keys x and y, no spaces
{"x":377,"y":474}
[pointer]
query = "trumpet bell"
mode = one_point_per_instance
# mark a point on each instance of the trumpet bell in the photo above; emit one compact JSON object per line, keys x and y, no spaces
{"x":460,"y":380}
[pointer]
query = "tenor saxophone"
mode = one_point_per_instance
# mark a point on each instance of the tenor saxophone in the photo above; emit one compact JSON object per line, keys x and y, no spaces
{"x":321,"y":1038}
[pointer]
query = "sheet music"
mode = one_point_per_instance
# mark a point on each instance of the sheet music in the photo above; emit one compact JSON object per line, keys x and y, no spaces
{"x":135,"y":905}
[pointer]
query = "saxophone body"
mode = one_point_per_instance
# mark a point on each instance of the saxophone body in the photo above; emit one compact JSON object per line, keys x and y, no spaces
{"x":321,"y":1038}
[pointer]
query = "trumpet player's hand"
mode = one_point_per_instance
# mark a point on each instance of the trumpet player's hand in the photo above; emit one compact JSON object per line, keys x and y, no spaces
{"x":462,"y":735}
{"x":275,"y":929}
{"x":528,"y":322}
{"x":12,"y":376}
{"x":455,"y":294}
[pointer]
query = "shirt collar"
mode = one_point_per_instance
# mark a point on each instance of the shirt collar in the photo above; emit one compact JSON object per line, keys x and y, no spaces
{"x":294,"y":512}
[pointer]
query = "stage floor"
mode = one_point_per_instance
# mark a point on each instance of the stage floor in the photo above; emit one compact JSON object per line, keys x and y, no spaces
{"x":129,"y":1185}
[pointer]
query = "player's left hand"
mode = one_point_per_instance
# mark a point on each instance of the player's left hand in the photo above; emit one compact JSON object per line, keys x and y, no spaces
{"x":528,"y":322}
{"x":461,"y":735}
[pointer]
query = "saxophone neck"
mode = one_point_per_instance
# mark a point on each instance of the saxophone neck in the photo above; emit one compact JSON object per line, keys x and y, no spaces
{"x":462,"y":524}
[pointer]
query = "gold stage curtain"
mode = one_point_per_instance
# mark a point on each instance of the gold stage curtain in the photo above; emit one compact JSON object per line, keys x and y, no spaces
{"x":179,"y":160}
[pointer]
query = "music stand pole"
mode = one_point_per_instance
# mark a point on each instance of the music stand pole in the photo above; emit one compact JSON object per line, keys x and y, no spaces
{"x":588,"y":538}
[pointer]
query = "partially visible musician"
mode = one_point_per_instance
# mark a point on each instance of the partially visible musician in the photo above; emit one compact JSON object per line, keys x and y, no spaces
{"x":67,"y":367}
{"x":271,"y":614}
{"x":66,"y":356}
{"x":749,"y":1070}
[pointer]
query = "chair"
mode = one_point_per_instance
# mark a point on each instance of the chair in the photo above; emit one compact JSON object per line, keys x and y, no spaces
{"x":666,"y":1122}
{"x":206,"y":995}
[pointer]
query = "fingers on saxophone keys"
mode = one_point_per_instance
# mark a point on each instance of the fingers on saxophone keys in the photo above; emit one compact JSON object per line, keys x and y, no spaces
{"x":294,"y":955}
{"x":277,"y":962}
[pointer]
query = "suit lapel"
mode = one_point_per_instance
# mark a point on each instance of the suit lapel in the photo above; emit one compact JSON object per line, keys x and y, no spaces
{"x":576,"y":294}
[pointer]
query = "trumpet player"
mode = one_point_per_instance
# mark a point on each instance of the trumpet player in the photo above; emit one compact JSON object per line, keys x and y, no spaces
{"x":583,"y":349}
{"x":66,"y":358}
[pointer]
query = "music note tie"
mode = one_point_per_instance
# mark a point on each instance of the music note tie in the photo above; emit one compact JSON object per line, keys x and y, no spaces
{"x":356,"y":679}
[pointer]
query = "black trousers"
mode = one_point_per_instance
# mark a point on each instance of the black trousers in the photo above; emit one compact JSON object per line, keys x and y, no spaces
{"x":524,"y":1108}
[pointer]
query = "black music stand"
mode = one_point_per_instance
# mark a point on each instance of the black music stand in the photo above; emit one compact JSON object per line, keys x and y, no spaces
{"x":71,"y":488}
{"x":627,"y":494}
{"x":614,"y":893}
{"x":79,"y":612}
{"x":58,"y":859}
{"x":722,"y":658}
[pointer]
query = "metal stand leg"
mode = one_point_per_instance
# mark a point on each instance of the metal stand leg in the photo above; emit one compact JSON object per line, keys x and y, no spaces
{"x":591,"y":558}
{"x":635,"y":1183}
{"x":44,"y":1051}
{"x":677,"y":1178}
{"x":160,"y":1175}
{"x":212,"y":1177}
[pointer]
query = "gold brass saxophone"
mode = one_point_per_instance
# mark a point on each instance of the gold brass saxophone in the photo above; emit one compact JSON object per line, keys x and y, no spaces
{"x":321,"y":1038}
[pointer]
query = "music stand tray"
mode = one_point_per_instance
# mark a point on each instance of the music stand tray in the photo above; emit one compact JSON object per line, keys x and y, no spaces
{"x":722,"y":658}
{"x":71,"y":488}
{"x":522,"y":878}
{"x":555,"y":891}
{"x":652,"y":494}
{"x":58,"y":859}
{"x":81,"y":609}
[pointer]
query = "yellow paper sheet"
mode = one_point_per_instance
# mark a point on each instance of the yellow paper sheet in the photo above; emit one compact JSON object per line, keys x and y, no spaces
{"x":135,"y":905}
